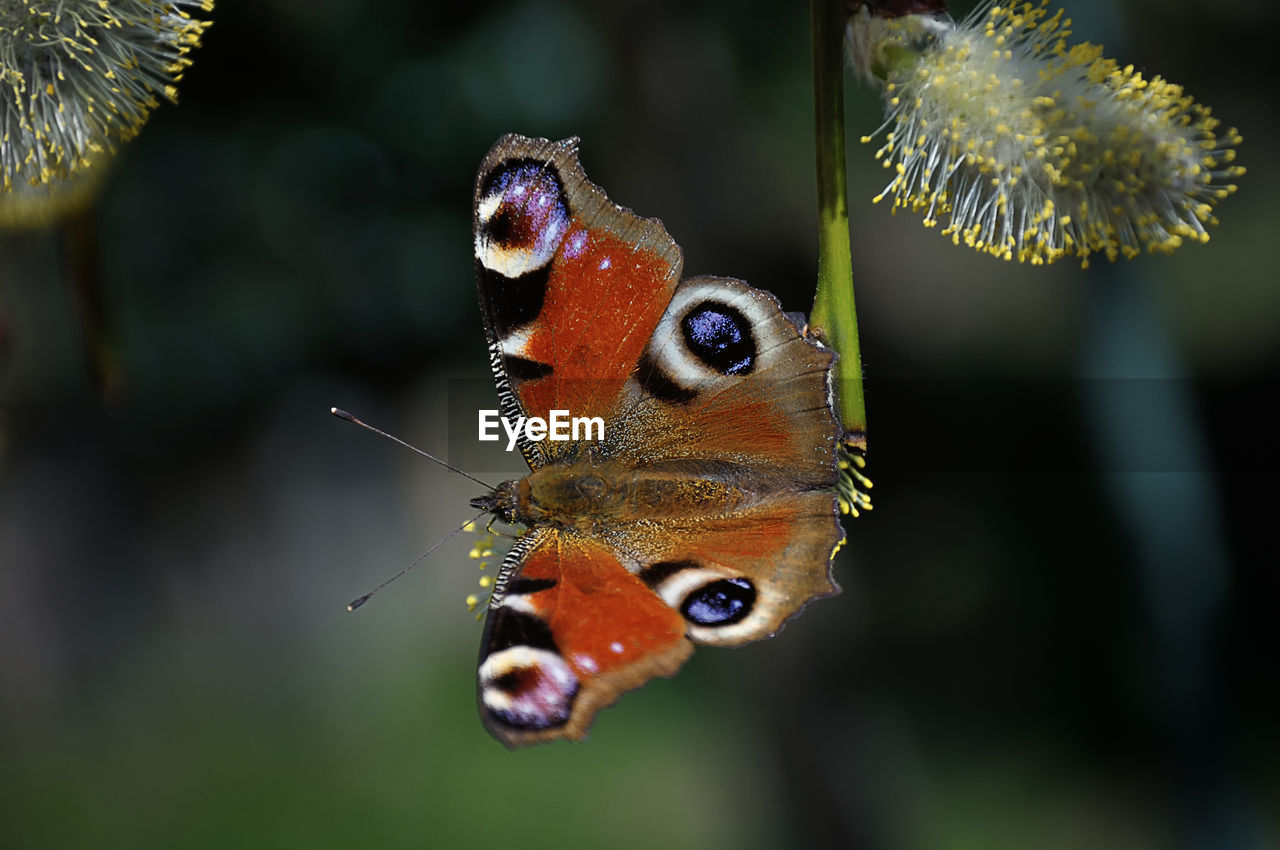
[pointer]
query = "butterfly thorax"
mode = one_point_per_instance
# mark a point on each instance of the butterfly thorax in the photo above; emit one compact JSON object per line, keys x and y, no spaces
{"x":584,"y":494}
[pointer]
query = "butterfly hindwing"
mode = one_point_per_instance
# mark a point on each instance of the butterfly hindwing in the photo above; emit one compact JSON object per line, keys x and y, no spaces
{"x":738,"y":576}
{"x":728,"y":379}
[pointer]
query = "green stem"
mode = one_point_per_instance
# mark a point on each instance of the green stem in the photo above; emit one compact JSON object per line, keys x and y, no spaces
{"x":834,"y":319}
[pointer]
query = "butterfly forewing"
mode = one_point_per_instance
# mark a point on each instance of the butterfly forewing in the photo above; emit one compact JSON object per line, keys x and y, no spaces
{"x":571,"y":285}
{"x":574,"y":629}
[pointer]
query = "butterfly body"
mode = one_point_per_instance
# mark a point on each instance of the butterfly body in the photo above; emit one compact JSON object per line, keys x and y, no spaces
{"x":589,"y":496}
{"x":707,"y":510}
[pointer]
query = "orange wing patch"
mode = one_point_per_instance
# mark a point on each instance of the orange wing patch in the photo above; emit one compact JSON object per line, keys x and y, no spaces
{"x":594,"y":341}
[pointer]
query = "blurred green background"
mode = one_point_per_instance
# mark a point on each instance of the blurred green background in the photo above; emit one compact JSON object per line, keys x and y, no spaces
{"x":1056,"y":629}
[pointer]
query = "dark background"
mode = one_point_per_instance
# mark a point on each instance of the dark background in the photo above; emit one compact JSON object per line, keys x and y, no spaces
{"x":1057,"y":625}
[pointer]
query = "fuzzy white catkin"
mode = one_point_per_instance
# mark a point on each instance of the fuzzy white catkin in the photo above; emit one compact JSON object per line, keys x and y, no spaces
{"x":1033,"y":149}
{"x":79,"y":76}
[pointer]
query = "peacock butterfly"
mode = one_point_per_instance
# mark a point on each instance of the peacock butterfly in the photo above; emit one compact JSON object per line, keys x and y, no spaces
{"x":707,"y":513}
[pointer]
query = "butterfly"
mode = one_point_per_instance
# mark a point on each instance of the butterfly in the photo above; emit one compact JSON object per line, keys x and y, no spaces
{"x":706,"y":512}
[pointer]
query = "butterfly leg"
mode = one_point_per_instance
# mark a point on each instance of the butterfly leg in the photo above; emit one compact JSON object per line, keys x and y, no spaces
{"x":489,"y":529}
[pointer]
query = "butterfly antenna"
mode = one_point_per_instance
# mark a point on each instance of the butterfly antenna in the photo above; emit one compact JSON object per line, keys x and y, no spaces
{"x":356,"y":603}
{"x":342,"y":414}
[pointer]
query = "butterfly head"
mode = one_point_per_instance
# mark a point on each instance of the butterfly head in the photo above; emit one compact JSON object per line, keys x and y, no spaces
{"x":501,"y":501}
